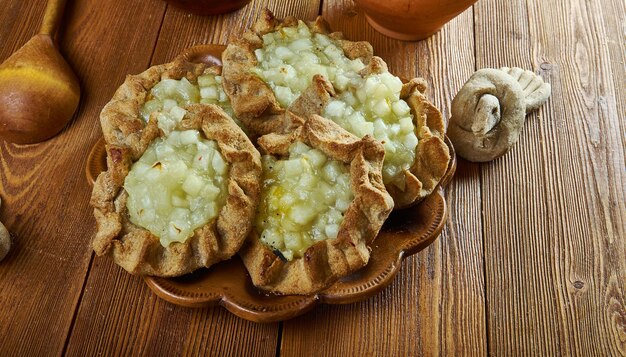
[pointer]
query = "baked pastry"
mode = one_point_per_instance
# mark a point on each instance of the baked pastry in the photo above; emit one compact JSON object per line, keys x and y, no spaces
{"x":280,"y":73}
{"x":182,"y":183}
{"x":322,"y":201}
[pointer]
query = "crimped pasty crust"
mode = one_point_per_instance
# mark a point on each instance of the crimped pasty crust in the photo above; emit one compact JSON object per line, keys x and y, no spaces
{"x":326,"y":261}
{"x":257,"y":107}
{"x":254,"y":101}
{"x":127,"y":137}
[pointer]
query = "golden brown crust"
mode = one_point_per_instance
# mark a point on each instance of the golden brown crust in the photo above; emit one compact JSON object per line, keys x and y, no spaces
{"x":256,"y":105}
{"x":326,"y":261}
{"x":127,"y":136}
{"x":432,"y":155}
{"x":314,"y":98}
{"x":120,"y":120}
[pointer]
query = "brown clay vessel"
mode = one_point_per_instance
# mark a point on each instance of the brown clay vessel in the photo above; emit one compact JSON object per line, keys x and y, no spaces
{"x":38,"y":90}
{"x":208,"y":7}
{"x":411,"y":20}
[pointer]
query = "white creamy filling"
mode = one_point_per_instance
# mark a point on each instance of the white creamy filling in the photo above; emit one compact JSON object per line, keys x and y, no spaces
{"x":372,"y":106}
{"x":178,"y":185}
{"x":291,"y":56}
{"x":303,"y":200}
{"x":170,"y":93}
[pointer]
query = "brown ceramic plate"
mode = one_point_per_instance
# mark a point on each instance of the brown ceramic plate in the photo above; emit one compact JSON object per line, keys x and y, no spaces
{"x":406,"y":232}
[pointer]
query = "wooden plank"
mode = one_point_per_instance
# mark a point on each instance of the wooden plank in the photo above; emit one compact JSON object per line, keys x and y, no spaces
{"x":118,"y":314}
{"x":614,"y":40}
{"x":554,"y":206}
{"x":17,"y":28}
{"x":45,"y":196}
{"x":436,"y":303}
{"x":181,"y":30}
{"x":463,"y":298}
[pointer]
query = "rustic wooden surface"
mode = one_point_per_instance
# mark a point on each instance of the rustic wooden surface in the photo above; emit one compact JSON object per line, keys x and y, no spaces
{"x":532,"y":260}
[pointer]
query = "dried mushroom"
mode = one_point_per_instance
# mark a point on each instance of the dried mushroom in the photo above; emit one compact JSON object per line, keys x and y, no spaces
{"x":536,"y":91}
{"x":488,"y":112}
{"x":5,"y":239}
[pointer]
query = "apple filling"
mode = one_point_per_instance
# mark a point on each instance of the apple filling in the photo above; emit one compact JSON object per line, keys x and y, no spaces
{"x":171,"y":93}
{"x":178,"y":185}
{"x":372,"y":106}
{"x":291,"y":56}
{"x":303,"y":200}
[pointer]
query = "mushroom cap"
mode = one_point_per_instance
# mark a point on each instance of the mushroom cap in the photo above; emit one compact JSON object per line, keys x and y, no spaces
{"x":5,"y":239}
{"x":487,"y":115}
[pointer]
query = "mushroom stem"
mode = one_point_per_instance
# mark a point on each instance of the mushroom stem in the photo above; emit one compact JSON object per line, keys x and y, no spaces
{"x":487,"y":114}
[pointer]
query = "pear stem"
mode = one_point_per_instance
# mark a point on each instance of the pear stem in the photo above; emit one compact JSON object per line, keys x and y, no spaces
{"x":52,"y":17}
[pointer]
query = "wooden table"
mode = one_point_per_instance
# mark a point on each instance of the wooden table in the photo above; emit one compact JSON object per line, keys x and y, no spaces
{"x":531,"y":261}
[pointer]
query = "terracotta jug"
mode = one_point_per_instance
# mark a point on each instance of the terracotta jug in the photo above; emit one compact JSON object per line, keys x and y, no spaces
{"x":411,"y":20}
{"x":208,"y":7}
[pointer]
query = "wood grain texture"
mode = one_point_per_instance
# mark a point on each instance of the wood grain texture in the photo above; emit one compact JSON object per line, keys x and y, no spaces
{"x":554,"y":205}
{"x":119,"y":315}
{"x":16,"y":29}
{"x":45,"y":200}
{"x":531,"y":262}
{"x":436,"y":303}
{"x":463,"y":315}
{"x":181,"y":30}
{"x":131,"y":325}
{"x":615,"y":41}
